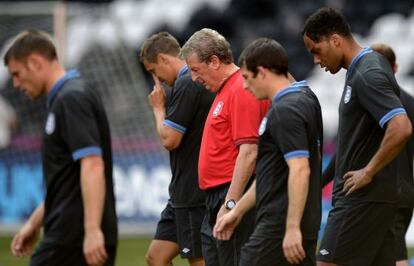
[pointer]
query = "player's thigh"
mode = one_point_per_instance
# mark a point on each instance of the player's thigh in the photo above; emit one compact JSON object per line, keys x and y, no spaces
{"x":355,"y":233}
{"x":188,"y":222}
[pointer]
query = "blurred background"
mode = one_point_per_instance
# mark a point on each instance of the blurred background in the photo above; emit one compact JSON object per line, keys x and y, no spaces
{"x":102,"y":40}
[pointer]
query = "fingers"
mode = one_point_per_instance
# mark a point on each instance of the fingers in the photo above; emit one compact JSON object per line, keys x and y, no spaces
{"x":19,"y":248}
{"x":219,"y":226}
{"x":16,"y":246}
{"x":219,"y":231}
{"x":223,"y":235}
{"x":294,"y":253}
{"x":96,"y":256}
{"x":348,"y":184}
{"x":157,"y":82}
{"x":348,"y":175}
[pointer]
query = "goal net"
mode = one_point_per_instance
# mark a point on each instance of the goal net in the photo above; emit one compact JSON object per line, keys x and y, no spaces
{"x":141,"y":170}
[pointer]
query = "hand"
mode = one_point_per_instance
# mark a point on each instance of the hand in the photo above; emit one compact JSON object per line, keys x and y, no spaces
{"x":24,"y":240}
{"x":221,"y":212}
{"x":94,"y":247}
{"x":225,"y":225}
{"x":157,"y":96}
{"x":292,"y":246}
{"x":355,"y":180}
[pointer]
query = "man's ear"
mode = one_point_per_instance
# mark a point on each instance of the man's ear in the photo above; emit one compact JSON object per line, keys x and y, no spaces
{"x":336,"y":39}
{"x":262,"y":71}
{"x":214,"y":62}
{"x":395,"y":68}
{"x":163,"y":58}
{"x":35,"y":62}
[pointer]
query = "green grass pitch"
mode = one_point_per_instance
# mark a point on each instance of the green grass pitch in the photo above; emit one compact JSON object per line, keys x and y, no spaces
{"x":131,"y":252}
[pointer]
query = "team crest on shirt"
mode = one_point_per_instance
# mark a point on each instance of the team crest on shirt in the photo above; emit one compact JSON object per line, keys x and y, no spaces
{"x":218,"y":108}
{"x":348,"y":94}
{"x":262,"y":126}
{"x":50,"y":123}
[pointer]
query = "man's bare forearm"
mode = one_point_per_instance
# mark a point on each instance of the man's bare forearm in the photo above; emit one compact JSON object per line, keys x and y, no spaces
{"x":93,"y":191}
{"x":243,"y":170}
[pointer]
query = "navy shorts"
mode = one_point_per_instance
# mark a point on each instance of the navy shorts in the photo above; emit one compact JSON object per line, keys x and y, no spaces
{"x":182,"y":226}
{"x":399,"y":228}
{"x":216,"y":252}
{"x":359,"y":234}
{"x":260,"y":251}
{"x":52,"y":255}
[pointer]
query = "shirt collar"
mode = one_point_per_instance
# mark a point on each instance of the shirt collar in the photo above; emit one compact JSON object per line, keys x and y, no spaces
{"x":294,"y":87}
{"x":228,"y":78}
{"x":182,"y":71}
{"x":364,"y":51}
{"x":73,"y":73}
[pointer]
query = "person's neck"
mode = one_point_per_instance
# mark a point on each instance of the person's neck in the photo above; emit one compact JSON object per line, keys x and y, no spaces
{"x":177,"y":65}
{"x":351,"y":50}
{"x":277,"y":84}
{"x":56,"y":72}
{"x":227,"y":71}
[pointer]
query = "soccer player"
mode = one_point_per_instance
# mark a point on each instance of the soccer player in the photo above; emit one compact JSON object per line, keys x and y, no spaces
{"x":179,"y":127}
{"x":405,"y":170}
{"x":78,"y":214}
{"x":229,"y":144}
{"x":287,"y":191}
{"x":373,"y":127}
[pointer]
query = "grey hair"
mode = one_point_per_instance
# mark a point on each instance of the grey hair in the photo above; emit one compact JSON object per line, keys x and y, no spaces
{"x":206,"y":43}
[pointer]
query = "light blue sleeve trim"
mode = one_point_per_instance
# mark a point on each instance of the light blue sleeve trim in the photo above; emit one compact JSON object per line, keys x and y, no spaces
{"x":83,"y":152}
{"x":176,"y":126}
{"x":387,"y":117}
{"x":298,"y":153}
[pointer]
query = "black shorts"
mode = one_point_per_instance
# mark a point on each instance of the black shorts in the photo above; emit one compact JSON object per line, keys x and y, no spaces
{"x":52,"y":255}
{"x":260,"y":251}
{"x":216,"y":252}
{"x":182,"y":226}
{"x":399,"y":228}
{"x":359,"y":234}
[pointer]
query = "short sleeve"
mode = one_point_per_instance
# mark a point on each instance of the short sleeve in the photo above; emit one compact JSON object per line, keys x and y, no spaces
{"x":79,"y":125}
{"x":183,"y":104}
{"x":290,"y":132}
{"x":246,"y":113}
{"x":378,"y":97}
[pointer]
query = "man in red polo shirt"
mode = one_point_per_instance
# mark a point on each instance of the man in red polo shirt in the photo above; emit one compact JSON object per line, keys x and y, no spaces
{"x":229,"y":145}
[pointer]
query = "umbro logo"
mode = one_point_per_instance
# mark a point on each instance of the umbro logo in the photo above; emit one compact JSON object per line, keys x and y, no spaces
{"x":324,"y":252}
{"x":185,"y":250}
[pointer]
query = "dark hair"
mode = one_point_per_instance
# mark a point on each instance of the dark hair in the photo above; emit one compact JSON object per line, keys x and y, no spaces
{"x":325,"y":22}
{"x":386,"y":51}
{"x":267,"y":53}
{"x":161,"y":42}
{"x":29,"y":42}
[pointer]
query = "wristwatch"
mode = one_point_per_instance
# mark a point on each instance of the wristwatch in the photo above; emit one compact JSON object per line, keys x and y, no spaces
{"x":230,"y":204}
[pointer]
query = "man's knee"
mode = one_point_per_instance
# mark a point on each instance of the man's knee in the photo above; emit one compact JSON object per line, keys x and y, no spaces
{"x":196,"y":262}
{"x":321,"y":263}
{"x":153,"y":259}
